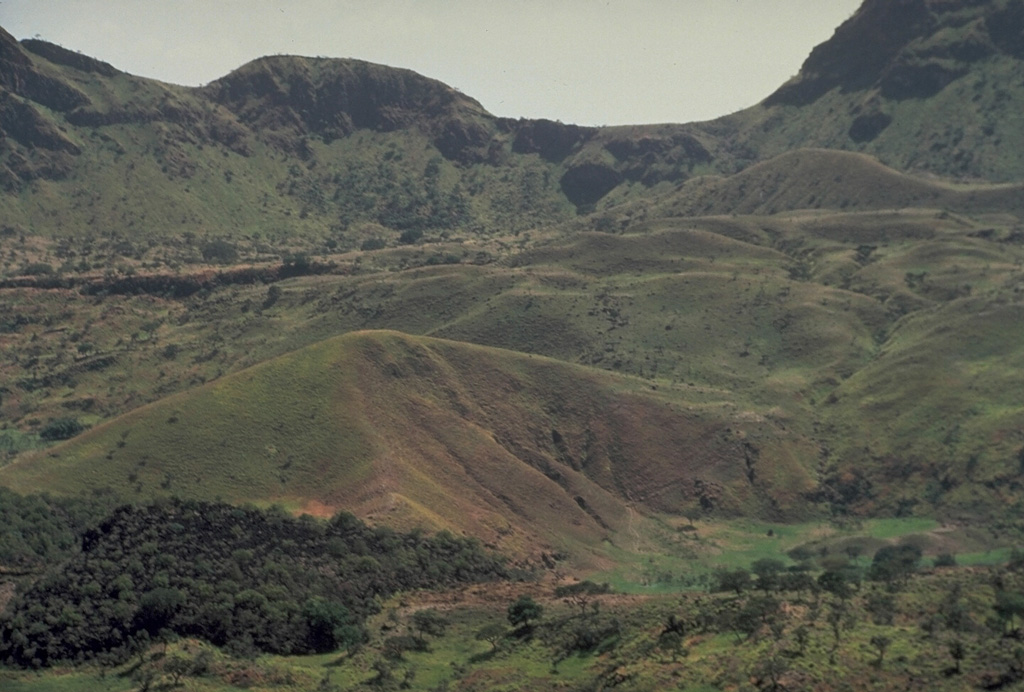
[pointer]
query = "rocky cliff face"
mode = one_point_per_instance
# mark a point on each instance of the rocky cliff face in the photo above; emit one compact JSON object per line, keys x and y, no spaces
{"x":929,"y":85}
{"x":19,"y":76}
{"x":907,"y":48}
{"x":31,"y":144}
{"x":334,"y":98}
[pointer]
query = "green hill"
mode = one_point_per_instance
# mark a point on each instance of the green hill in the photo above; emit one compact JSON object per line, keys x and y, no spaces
{"x":290,"y":153}
{"x":522,"y":451}
{"x":829,"y":179}
{"x":784,"y":339}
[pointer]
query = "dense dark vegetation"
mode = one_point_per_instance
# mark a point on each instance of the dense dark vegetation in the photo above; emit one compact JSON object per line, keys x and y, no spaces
{"x":244,"y":578}
{"x":40,"y":530}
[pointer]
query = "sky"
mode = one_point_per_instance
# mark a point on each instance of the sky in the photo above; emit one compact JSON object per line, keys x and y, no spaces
{"x":589,"y":62}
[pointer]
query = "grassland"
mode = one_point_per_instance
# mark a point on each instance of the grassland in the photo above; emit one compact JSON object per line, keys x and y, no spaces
{"x":766,"y":347}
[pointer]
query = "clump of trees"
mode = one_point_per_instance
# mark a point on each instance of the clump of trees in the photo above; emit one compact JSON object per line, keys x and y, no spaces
{"x":247,"y":579}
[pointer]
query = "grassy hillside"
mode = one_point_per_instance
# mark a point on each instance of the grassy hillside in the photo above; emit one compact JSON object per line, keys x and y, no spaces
{"x":290,"y":154}
{"x":648,"y":355}
{"x":828,"y":179}
{"x":753,"y":353}
{"x":410,"y":431}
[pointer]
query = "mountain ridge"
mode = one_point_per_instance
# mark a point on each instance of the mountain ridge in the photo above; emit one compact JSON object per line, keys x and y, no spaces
{"x":930,"y":62}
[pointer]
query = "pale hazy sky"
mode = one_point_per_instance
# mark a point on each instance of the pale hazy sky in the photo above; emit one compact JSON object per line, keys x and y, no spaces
{"x":590,"y":62}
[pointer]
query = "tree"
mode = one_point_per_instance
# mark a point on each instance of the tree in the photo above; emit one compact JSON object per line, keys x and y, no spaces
{"x":802,"y":637}
{"x":177,"y":666}
{"x":581,"y":593}
{"x":957,"y":653}
{"x":881,"y":607}
{"x":744,"y":621}
{"x":492,"y":633}
{"x":410,"y":236}
{"x":429,"y":622}
{"x":737,"y":580}
{"x":274,"y":293}
{"x":671,"y":642}
{"x":1008,"y":607}
{"x":523,"y":610}
{"x":767,"y":570}
{"x":385,"y":673}
{"x":839,"y":618}
{"x":768,"y":673}
{"x":894,"y":564}
{"x":836,"y":584}
{"x":61,"y":429}
{"x":157,"y":608}
{"x":330,"y":625}
{"x":219,"y":251}
{"x":797,"y":582}
{"x":881,"y":643}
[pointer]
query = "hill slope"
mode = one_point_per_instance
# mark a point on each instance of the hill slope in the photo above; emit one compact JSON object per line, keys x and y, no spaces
{"x":515,"y":449}
{"x":771,"y":334}
{"x":829,"y":179}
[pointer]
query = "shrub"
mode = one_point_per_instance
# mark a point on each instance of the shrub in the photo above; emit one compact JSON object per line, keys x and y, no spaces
{"x":220,"y":251}
{"x":61,"y":429}
{"x":410,"y":236}
{"x":373,"y":244}
{"x":523,"y":611}
{"x":37,"y":269}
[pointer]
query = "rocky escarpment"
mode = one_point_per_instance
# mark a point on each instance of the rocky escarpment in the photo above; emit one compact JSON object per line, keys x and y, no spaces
{"x":907,"y":48}
{"x":924,"y":85}
{"x":31,"y":143}
{"x":858,"y":53}
{"x":334,"y":98}
{"x":19,"y":76}
{"x":59,"y":55}
{"x":552,"y":140}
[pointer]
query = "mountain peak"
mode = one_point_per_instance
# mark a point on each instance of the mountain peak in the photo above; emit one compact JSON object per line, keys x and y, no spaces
{"x":333,"y":97}
{"x":69,"y":58}
{"x":907,"y":48}
{"x":930,"y":86}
